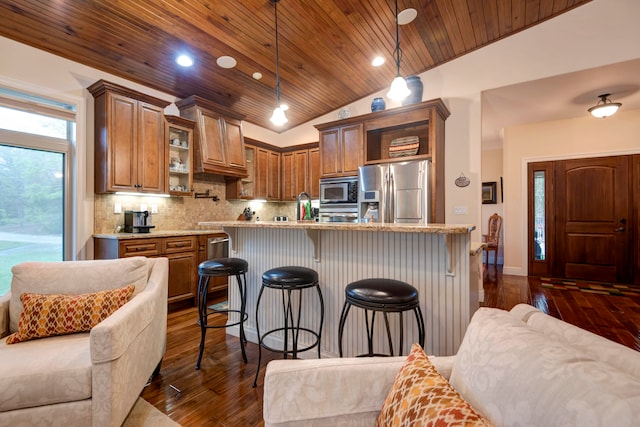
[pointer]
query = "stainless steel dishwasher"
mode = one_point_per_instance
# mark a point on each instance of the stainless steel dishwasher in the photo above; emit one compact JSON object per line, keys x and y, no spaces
{"x":217,"y":247}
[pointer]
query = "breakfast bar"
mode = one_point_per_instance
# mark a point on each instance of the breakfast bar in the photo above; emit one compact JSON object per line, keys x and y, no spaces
{"x":433,"y":258}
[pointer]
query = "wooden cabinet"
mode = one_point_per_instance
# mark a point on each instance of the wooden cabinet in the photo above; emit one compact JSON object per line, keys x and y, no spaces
{"x":348,"y":143}
{"x":180,"y":144}
{"x":340,"y":149}
{"x":274,"y":161}
{"x":182,"y":252}
{"x":244,"y":188}
{"x":313,"y":173}
{"x":219,"y":142}
{"x":295,"y":165}
{"x":263,"y":176}
{"x":301,"y":172}
{"x":130,"y":149}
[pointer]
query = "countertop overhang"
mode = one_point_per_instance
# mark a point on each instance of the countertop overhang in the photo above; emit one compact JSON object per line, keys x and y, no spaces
{"x":349,"y":226}
{"x":152,"y":234}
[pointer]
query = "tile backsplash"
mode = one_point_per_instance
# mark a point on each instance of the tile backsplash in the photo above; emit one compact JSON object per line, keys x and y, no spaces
{"x":184,"y":213}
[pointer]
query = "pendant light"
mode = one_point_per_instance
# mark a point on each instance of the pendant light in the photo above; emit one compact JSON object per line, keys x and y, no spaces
{"x":278,"y":117}
{"x":399,"y":89}
{"x":604,"y":108}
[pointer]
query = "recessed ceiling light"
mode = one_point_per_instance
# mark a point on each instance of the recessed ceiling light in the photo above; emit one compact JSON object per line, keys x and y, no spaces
{"x":226,"y":62}
{"x":377,"y":61}
{"x":184,"y":60}
{"x":257,"y":75}
{"x":406,"y":16}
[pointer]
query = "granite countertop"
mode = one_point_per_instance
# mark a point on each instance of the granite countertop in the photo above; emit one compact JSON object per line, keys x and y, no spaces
{"x":347,"y":226}
{"x":162,"y":233}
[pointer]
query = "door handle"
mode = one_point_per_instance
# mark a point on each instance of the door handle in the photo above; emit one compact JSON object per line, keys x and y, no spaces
{"x":620,"y":230}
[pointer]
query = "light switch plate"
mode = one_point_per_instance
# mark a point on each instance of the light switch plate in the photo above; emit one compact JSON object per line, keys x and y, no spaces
{"x":460,"y":210}
{"x":117,"y":208}
{"x":154,"y":208}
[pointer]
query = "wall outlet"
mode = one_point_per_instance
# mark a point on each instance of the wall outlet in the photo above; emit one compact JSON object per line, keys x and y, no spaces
{"x":154,"y":208}
{"x":117,"y":208}
{"x":460,"y":210}
{"x":143,"y":206}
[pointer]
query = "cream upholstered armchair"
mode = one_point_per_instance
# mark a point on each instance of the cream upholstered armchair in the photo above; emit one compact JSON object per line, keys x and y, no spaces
{"x":86,"y":378}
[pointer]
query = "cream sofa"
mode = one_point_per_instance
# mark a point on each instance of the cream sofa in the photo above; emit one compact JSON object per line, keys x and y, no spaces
{"x":517,"y":368}
{"x":91,"y":378}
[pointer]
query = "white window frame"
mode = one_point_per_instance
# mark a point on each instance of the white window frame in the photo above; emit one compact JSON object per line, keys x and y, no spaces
{"x":78,"y":203}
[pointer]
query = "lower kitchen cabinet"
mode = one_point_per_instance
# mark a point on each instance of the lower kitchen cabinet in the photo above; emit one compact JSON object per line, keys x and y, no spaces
{"x":183,"y":253}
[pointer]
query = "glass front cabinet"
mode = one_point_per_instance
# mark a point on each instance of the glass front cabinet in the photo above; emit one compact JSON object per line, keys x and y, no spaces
{"x":180,"y":141}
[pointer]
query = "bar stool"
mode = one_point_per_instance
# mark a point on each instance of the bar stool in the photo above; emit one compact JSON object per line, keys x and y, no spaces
{"x":222,"y":267}
{"x":387,"y":296}
{"x":287,"y":280}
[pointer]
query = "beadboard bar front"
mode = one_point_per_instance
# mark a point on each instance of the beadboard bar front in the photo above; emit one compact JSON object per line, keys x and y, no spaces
{"x":434,"y":259}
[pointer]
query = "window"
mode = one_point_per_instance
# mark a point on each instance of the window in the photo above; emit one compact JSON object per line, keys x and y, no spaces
{"x":36,"y":141}
{"x":539,"y":226}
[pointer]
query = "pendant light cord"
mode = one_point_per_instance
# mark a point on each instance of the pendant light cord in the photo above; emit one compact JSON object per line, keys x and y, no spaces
{"x":275,"y":6}
{"x":397,"y":53}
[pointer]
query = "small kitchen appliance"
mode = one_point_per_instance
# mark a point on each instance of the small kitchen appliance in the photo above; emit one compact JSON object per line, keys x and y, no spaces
{"x":137,"y":222}
{"x":339,"y":199}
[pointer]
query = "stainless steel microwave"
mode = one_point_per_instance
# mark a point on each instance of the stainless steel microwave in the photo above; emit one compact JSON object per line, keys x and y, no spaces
{"x":339,"y":190}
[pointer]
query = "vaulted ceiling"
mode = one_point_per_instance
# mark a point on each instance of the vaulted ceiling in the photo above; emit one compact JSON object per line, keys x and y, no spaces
{"x":325,"y":46}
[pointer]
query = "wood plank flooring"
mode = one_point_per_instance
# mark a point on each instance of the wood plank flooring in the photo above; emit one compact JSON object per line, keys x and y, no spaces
{"x":220,"y":394}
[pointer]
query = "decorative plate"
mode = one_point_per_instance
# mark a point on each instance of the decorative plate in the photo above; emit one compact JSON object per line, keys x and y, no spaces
{"x":344,"y":113}
{"x":462,"y":181}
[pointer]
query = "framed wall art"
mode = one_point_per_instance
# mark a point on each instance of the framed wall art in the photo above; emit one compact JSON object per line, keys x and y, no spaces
{"x":489,"y":193}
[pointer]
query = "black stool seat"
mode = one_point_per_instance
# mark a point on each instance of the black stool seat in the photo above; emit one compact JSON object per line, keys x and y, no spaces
{"x":382,"y":292}
{"x":288,"y":280}
{"x":290,"y":277}
{"x":381,"y":295}
{"x":223,"y":266}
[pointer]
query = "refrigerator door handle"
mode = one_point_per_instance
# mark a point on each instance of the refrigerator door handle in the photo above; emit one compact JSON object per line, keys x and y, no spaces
{"x":391,"y":191}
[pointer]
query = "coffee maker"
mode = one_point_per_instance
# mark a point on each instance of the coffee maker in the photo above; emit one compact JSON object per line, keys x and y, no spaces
{"x":137,"y":222}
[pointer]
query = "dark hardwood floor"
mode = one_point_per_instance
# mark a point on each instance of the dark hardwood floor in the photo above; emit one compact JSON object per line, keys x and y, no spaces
{"x":221,"y":393}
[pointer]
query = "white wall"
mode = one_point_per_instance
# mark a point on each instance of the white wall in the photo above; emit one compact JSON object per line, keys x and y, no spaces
{"x":573,"y":41}
{"x":562,"y":139}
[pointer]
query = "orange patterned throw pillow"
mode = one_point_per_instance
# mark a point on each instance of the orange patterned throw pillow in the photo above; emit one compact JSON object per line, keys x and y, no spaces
{"x":49,"y":315}
{"x":420,"y":396}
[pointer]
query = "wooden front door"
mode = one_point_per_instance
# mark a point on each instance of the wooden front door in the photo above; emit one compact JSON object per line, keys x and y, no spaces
{"x":588,"y":210}
{"x":593,"y":207}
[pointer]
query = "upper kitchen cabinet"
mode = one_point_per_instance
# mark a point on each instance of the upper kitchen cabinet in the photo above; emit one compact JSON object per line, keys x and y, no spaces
{"x":301,"y":171}
{"x":414,"y":131}
{"x":263,"y":174}
{"x":341,"y":146}
{"x":130,"y":149}
{"x":219,"y":144}
{"x":180,"y":142}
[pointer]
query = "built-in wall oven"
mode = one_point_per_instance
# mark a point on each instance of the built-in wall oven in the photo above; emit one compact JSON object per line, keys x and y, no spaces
{"x":339,"y":199}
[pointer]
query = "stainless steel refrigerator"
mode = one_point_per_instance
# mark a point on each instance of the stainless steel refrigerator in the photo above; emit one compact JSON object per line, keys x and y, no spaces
{"x":395,"y":192}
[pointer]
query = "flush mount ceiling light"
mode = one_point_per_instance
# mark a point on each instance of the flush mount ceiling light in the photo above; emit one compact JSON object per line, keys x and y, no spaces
{"x":184,"y":60}
{"x":278,"y":117}
{"x":399,"y":89}
{"x":604,"y":108}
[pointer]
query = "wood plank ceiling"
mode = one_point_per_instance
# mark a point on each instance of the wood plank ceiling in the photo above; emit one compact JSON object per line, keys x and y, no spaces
{"x":326,"y":46}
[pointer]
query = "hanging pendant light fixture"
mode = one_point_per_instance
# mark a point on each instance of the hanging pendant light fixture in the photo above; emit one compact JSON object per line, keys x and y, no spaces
{"x":278,"y":117}
{"x":604,"y":107}
{"x":399,"y":89}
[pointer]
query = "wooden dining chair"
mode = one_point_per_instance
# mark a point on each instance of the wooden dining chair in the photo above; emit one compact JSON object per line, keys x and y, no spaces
{"x":492,"y":238}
